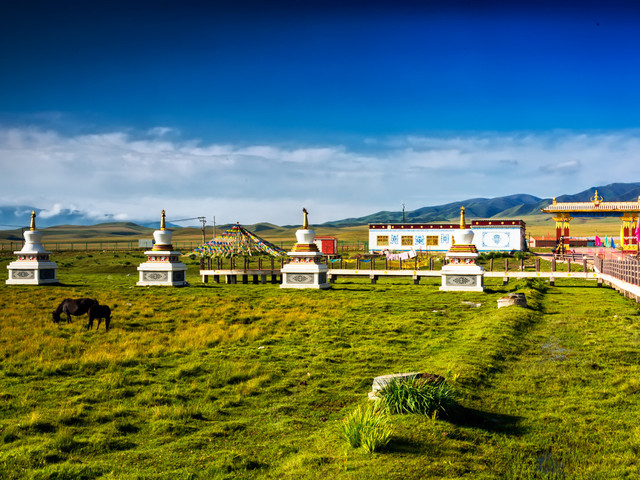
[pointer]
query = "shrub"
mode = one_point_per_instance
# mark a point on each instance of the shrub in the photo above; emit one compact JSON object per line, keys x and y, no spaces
{"x":520,"y":255}
{"x":415,"y":395}
{"x":367,"y":427}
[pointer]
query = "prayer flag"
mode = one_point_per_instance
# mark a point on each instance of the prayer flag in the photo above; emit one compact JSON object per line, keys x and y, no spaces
{"x":638,"y":230}
{"x":613,"y":245}
{"x":598,"y":241}
{"x":606,"y":241}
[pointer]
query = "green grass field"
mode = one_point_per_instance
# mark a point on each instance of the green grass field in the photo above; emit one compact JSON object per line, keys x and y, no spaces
{"x":252,"y":381}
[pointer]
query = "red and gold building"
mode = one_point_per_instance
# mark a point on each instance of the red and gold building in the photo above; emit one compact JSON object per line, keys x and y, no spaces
{"x":628,"y":212}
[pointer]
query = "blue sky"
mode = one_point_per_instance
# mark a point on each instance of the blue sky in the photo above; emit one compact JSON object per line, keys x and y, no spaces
{"x":250,"y":112}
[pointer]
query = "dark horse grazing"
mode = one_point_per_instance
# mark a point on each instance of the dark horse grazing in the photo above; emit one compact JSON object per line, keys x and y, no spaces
{"x":99,"y":312}
{"x":70,"y":306}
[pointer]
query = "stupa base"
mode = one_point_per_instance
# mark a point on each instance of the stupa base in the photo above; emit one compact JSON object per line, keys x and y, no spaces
{"x":310,"y":275}
{"x":32,"y":273}
{"x":162,"y":273}
{"x":467,"y":278}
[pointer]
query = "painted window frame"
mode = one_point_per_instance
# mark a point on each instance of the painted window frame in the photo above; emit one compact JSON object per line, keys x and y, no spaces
{"x":382,"y":240}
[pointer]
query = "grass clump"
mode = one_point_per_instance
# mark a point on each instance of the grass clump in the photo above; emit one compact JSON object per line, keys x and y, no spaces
{"x":421,"y":396}
{"x":367,"y":427}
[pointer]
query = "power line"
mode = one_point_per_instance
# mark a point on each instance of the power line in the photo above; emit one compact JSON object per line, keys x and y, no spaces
{"x":185,"y":219}
{"x":170,"y":221}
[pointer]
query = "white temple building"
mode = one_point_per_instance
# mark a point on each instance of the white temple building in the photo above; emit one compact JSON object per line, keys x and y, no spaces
{"x":489,"y":236}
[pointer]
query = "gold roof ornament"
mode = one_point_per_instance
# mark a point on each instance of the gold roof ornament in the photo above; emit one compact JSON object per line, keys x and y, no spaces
{"x":462,"y":217}
{"x":33,"y":220}
{"x":305,"y":219}
{"x":163,"y":222}
{"x":596,"y":200}
{"x":554,"y":201}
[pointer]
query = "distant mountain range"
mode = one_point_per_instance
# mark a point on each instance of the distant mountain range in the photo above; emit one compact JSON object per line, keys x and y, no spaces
{"x":18,"y":216}
{"x":511,"y":206}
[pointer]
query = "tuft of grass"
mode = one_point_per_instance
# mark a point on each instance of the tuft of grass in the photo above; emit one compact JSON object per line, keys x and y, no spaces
{"x":68,"y":471}
{"x":177,"y":412}
{"x":37,"y":423}
{"x":71,"y":415}
{"x":65,"y":442}
{"x":415,"y":395}
{"x":367,"y":427}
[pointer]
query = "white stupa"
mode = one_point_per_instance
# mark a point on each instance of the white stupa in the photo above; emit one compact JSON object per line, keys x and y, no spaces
{"x":163,"y":266}
{"x":462,"y":273}
{"x":305,"y":269}
{"x":33,"y":266}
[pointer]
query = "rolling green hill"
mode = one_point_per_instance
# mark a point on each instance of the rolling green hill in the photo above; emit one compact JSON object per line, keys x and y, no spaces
{"x":520,"y":206}
{"x":514,"y":206}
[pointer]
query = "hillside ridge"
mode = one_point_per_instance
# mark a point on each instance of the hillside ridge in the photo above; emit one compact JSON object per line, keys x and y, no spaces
{"x":14,"y":218}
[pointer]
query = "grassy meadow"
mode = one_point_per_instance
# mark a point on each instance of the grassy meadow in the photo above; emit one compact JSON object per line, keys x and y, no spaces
{"x":251,"y":381}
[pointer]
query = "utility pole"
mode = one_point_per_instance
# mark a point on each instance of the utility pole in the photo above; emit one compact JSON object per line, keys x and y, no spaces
{"x":403,"y":213}
{"x":204,"y":222}
{"x":214,"y":226}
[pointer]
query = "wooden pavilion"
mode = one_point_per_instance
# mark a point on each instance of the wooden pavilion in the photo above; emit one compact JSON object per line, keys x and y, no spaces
{"x":628,"y":212}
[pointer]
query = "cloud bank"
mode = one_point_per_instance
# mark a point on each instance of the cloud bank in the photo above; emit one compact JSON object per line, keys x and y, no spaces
{"x":122,"y":176}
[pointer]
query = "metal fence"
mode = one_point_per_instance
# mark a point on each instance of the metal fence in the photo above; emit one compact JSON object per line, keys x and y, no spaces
{"x":120,"y":245}
{"x":627,"y":269}
{"x":183,"y":246}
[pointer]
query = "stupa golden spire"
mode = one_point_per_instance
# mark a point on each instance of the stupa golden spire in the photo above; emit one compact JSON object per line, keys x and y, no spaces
{"x":33,"y":220}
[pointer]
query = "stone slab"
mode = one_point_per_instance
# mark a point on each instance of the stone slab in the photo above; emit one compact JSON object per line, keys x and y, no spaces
{"x":513,"y":299}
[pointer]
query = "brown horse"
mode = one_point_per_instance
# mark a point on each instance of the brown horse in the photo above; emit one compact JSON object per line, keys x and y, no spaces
{"x":100,"y":312}
{"x":76,"y":307}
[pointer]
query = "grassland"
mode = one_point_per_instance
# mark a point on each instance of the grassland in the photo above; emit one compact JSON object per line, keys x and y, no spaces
{"x":251,"y":381}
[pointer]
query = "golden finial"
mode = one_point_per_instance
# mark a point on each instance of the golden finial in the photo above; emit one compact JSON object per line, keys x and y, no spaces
{"x":554,"y":200}
{"x":305,"y":221}
{"x":462,"y":217}
{"x":163,"y":222}
{"x":33,"y":220}
{"x":596,"y":199}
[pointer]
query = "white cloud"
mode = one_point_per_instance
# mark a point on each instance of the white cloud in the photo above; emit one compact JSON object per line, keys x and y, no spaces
{"x":160,"y":131}
{"x":56,"y":209}
{"x":124,"y":177}
{"x":565,"y":168}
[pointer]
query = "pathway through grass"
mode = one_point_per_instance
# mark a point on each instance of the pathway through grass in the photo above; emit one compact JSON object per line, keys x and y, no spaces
{"x":574,"y":390}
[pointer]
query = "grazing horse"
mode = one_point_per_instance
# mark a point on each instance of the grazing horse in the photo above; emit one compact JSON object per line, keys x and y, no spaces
{"x":99,"y":312}
{"x":70,"y":306}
